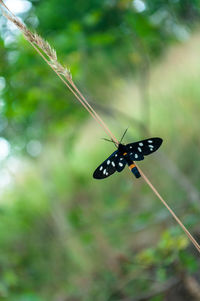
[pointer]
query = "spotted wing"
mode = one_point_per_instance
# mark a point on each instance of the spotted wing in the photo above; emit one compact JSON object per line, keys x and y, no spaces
{"x":120,"y":163}
{"x":138,"y":150}
{"x":107,"y":168}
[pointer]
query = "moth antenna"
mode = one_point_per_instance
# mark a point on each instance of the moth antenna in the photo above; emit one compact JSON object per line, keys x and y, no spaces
{"x":110,"y":141}
{"x":107,"y":139}
{"x":123,"y":135}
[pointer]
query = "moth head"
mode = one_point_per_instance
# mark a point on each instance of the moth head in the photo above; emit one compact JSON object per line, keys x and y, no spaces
{"x":120,"y":147}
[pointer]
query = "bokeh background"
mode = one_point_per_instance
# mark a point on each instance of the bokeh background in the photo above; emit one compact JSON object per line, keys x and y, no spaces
{"x":63,"y":235}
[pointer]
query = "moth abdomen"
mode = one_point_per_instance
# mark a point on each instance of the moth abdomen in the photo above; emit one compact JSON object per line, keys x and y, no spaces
{"x":134,"y":170}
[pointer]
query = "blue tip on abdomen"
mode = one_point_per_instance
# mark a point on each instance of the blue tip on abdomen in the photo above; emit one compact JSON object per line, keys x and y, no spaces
{"x":135,"y":171}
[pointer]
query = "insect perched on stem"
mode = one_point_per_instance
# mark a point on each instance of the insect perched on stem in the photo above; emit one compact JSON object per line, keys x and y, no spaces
{"x":127,"y":154}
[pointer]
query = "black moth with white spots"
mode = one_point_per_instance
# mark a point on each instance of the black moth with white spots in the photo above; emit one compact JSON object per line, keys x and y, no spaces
{"x":126,"y":154}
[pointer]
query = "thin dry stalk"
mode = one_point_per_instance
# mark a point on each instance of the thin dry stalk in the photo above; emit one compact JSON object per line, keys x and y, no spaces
{"x":189,"y":235}
{"x":49,"y":55}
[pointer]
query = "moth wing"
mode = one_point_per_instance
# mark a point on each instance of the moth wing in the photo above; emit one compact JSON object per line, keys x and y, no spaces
{"x":120,"y":163}
{"x":138,"y":150}
{"x":107,"y":168}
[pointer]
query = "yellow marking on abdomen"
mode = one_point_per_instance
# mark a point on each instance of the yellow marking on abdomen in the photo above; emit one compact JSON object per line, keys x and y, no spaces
{"x":124,"y":154}
{"x":131,"y":166}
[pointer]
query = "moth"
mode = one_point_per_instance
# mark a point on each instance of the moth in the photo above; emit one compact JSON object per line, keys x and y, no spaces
{"x":126,"y":155}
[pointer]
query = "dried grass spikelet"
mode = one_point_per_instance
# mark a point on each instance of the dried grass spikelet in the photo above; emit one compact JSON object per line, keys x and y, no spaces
{"x":41,"y":44}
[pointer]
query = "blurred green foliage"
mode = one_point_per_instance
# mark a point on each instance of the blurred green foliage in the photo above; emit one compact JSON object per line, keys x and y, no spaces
{"x":86,"y":36}
{"x":64,"y":236}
